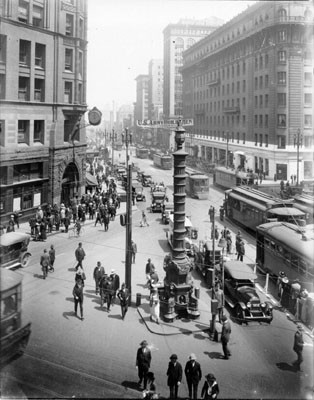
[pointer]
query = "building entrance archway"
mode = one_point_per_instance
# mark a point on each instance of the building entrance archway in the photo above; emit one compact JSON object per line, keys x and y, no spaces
{"x":70,"y":183}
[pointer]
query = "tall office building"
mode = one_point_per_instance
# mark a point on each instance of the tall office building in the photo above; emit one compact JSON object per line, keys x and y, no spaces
{"x":177,"y":38}
{"x":249,"y":87}
{"x":141,"y":106}
{"x":43,"y":99}
{"x":155,"y":88}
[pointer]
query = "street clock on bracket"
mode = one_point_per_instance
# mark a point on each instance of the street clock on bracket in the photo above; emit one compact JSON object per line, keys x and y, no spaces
{"x":94,"y":116}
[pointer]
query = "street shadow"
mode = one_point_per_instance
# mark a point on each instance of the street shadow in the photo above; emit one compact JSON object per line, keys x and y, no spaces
{"x":163,"y":243}
{"x":68,"y":314}
{"x":69,"y":299}
{"x":213,"y":355}
{"x":99,"y":308}
{"x":287,"y":367}
{"x":115,"y":316}
{"x":143,"y":285}
{"x":199,"y":336}
{"x":72,"y":269}
{"x":131,"y":385}
{"x":90,"y":291}
{"x":39,"y":276}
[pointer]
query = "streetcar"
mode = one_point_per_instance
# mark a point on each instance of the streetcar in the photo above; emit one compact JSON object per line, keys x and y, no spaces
{"x":281,"y":246}
{"x":197,"y":184}
{"x":163,"y":161}
{"x":14,"y":334}
{"x":142,"y":152}
{"x":250,"y":208}
{"x":228,"y":178}
{"x":305,"y":203}
{"x":152,"y":152}
{"x":191,"y":234}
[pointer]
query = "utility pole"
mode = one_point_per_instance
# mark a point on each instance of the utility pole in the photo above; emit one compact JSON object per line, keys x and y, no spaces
{"x":127,"y":138}
{"x":227,"y":160}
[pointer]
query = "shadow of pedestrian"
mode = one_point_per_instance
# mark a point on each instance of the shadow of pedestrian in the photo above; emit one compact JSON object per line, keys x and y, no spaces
{"x":72,"y":269}
{"x":116,"y":316}
{"x":131,"y":385}
{"x":213,"y":355}
{"x":142,"y":285}
{"x":39,"y":276}
{"x":287,"y":367}
{"x":67,"y":314}
{"x":70,"y":299}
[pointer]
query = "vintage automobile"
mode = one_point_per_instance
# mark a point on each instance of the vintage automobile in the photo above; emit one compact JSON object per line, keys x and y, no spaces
{"x":191,"y":234}
{"x":147,"y":180}
{"x":140,"y":196}
{"x":14,"y":250}
{"x":158,"y":199}
{"x":167,"y":210}
{"x":204,"y":261}
{"x":241,"y":295}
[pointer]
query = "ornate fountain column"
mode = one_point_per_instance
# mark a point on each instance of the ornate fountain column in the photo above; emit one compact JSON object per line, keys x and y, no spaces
{"x":178,"y":287}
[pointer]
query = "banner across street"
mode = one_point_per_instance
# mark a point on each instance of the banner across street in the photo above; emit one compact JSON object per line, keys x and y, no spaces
{"x":172,"y":123}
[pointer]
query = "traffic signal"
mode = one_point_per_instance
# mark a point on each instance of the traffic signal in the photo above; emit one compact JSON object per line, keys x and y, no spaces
{"x":122,"y":219}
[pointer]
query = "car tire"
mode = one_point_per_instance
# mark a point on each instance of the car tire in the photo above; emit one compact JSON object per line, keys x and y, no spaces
{"x":25,"y":260}
{"x":239,"y":314}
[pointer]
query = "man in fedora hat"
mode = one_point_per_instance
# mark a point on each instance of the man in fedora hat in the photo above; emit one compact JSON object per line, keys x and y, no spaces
{"x":143,"y":360}
{"x":174,"y":374}
{"x":298,"y":346}
{"x":193,"y":375}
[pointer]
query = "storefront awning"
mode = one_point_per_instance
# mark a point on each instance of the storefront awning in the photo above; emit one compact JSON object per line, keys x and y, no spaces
{"x":91,"y":180}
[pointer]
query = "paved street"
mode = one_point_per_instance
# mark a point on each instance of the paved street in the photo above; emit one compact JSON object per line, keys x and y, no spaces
{"x":67,"y":357}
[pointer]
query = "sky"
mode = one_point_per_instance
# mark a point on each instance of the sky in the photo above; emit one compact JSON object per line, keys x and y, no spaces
{"x":124,"y":35}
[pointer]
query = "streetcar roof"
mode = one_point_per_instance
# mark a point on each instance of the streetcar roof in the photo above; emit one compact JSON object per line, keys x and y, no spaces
{"x":245,"y":192}
{"x":9,"y":279}
{"x":7,"y":239}
{"x":291,"y":211}
{"x":299,"y":239}
{"x":199,"y":176}
{"x":231,"y":171}
{"x":239,"y":270}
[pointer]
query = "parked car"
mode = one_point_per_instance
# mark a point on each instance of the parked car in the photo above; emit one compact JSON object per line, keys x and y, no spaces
{"x":167,"y":210}
{"x":14,"y":250}
{"x":241,"y":295}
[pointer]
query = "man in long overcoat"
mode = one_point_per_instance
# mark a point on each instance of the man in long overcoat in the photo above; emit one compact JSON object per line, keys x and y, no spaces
{"x":174,"y":374}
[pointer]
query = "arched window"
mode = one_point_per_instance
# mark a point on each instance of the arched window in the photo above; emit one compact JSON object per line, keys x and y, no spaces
{"x":189,"y":42}
{"x":179,"y":43}
{"x":282,"y":14}
{"x":308,"y":15}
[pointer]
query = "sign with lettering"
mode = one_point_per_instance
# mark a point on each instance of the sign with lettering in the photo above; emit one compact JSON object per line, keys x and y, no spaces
{"x":149,"y":123}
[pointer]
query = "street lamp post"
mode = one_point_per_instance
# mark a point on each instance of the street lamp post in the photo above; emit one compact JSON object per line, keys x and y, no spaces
{"x":112,"y":136}
{"x":127,"y":139}
{"x":227,"y":162}
{"x":298,"y":143}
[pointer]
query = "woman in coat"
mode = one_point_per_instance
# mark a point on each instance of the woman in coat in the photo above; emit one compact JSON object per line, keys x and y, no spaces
{"x":210,"y":389}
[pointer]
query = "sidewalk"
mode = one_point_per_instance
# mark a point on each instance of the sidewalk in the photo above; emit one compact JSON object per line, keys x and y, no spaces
{"x":25,"y":228}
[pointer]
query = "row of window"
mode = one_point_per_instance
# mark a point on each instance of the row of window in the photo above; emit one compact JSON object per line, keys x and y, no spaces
{"x":230,"y":72}
{"x":260,"y":82}
{"x":34,"y":132}
{"x":281,"y":100}
{"x":37,"y":16}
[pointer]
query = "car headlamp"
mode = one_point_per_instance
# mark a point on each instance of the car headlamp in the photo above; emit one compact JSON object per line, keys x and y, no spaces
{"x":263,"y":305}
{"x":248,"y":304}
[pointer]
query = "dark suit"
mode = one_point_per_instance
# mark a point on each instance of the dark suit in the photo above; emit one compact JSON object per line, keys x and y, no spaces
{"x":193,"y":375}
{"x":143,"y":360}
{"x":174,"y":374}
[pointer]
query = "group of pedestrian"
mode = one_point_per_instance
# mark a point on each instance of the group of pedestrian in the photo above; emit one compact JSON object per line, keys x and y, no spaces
{"x":192,"y":372}
{"x":47,"y":260}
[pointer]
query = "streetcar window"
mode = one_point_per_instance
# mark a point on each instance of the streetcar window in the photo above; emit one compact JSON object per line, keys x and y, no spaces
{"x":9,"y":305}
{"x":287,"y":256}
{"x":267,"y":243}
{"x":295,"y":261}
{"x":273,"y":246}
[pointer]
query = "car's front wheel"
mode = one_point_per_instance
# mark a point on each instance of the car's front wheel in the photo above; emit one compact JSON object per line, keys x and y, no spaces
{"x":239,"y":314}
